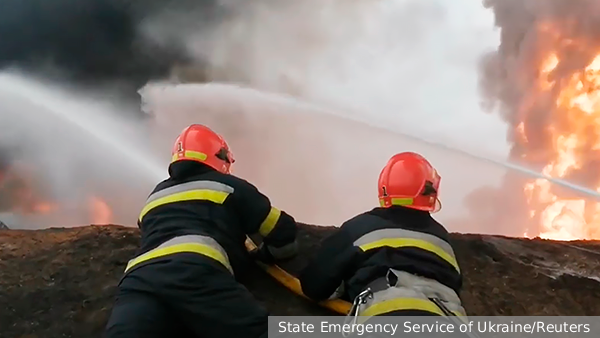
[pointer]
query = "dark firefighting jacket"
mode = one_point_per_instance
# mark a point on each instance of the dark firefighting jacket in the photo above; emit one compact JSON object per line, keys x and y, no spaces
{"x":200,"y":210}
{"x":367,"y":246}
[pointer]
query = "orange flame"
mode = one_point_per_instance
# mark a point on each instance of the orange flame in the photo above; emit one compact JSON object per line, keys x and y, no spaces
{"x":101,"y":212}
{"x":575,"y":131}
{"x":20,"y":193}
{"x":43,"y":207}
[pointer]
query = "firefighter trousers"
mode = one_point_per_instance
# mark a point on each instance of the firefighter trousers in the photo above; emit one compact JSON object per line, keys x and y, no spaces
{"x":404,"y":294}
{"x":188,"y":297}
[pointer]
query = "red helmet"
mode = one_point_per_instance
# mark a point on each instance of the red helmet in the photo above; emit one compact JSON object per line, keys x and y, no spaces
{"x":199,"y":143}
{"x":409,"y":180}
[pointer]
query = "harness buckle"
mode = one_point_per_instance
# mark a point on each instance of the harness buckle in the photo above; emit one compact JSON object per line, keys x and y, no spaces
{"x":356,"y":304}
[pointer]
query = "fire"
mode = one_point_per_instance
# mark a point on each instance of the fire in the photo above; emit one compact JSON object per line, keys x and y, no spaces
{"x":23,"y":195}
{"x":17,"y":195}
{"x":571,"y":93}
{"x":43,"y":207}
{"x":100,"y":211}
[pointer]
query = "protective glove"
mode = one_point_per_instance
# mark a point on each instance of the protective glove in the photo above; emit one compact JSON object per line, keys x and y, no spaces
{"x":262,"y":254}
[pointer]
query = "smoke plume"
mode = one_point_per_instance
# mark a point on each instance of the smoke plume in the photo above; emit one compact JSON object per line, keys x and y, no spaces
{"x":97,"y":43}
{"x":542,"y":81}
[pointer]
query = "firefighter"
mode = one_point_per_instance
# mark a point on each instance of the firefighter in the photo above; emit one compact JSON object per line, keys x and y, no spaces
{"x":183,"y":281}
{"x":394,"y":259}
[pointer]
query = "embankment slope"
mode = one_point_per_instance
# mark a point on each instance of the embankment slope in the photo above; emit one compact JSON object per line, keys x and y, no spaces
{"x":61,"y":282}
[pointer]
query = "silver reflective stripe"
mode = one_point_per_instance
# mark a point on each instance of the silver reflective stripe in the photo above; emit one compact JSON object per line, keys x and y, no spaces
{"x":206,"y":240}
{"x":429,"y":287}
{"x":186,"y":239}
{"x":194,"y":185}
{"x":378,"y":235}
{"x":402,"y":233}
{"x":393,"y":293}
{"x":406,"y":294}
{"x":285,"y":251}
{"x":408,"y":288}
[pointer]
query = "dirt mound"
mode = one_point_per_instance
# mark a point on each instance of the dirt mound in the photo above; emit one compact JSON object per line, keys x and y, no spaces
{"x":61,"y":282}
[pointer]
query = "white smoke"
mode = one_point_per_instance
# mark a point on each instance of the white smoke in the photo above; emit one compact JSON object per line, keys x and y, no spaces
{"x":410,"y":65}
{"x":406,"y":65}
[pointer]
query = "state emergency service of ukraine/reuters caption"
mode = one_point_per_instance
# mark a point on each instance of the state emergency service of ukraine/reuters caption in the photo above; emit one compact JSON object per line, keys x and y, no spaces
{"x":437,"y":327}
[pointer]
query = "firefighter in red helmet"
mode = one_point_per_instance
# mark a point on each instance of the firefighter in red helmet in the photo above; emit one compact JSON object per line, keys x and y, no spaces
{"x":394,"y":259}
{"x":183,"y":281}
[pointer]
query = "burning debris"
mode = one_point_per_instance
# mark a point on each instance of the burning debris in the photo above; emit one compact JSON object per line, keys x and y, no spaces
{"x":24,"y":199}
{"x":545,"y":80}
{"x":16,"y":193}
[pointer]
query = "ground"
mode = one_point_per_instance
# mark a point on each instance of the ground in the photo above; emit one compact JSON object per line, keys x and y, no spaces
{"x":61,"y":282}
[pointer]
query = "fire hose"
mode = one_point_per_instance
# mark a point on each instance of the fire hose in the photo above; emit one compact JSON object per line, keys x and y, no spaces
{"x":293,"y":284}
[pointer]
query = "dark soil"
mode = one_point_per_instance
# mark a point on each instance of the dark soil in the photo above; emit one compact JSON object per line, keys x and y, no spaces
{"x":61,"y":282}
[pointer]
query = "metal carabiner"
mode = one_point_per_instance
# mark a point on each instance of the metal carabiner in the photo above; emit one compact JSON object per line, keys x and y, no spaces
{"x":355,"y":309}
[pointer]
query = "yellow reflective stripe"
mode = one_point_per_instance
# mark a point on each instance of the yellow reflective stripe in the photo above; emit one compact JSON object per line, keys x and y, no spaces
{"x":398,"y":304}
{"x":394,"y":237}
{"x":198,"y":248}
{"x":269,"y":223}
{"x":399,"y":201}
{"x":200,"y":194}
{"x":411,"y":242}
{"x":191,"y":154}
{"x":188,"y":186}
{"x":212,"y":191}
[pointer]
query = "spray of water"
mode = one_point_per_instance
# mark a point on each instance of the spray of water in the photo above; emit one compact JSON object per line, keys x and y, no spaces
{"x":311,"y":160}
{"x":157,"y":95}
{"x":78,"y":148}
{"x":88,"y":118}
{"x":252,"y":120}
{"x":512,"y":166}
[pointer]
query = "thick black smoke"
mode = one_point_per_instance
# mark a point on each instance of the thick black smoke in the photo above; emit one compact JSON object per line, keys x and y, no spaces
{"x":94,"y":43}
